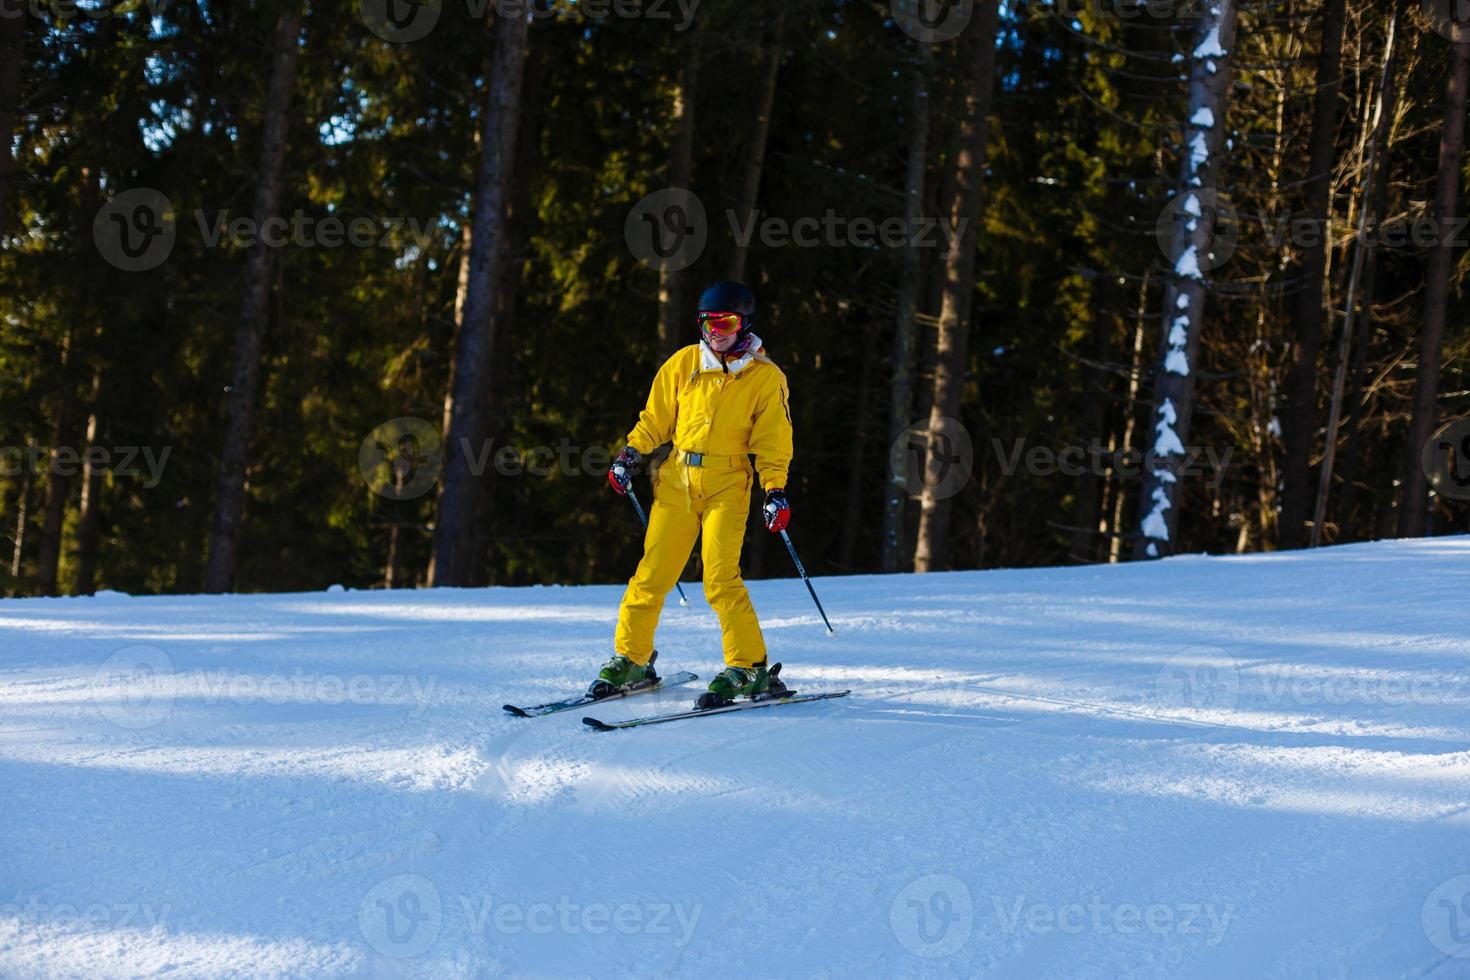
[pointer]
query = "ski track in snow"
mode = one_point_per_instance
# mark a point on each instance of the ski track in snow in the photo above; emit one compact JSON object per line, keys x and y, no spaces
{"x":1254,"y":766}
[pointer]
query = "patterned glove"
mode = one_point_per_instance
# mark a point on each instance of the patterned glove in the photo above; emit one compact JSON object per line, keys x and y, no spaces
{"x":620,"y":476}
{"x":777,"y":511}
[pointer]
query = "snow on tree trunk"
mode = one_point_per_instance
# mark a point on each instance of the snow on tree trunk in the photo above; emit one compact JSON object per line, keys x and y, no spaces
{"x":1185,"y":289}
{"x":454,"y":553}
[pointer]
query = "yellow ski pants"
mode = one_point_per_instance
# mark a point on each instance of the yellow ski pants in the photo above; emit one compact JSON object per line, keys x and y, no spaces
{"x":712,"y":500}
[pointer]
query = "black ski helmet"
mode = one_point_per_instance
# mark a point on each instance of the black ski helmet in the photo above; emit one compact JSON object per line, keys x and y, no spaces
{"x":730,"y":297}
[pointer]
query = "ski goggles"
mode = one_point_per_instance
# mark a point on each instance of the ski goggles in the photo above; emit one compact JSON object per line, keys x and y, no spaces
{"x":722,"y":324}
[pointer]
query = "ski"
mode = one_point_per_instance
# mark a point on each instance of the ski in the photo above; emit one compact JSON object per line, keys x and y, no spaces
{"x":760,"y":702}
{"x":638,"y":687}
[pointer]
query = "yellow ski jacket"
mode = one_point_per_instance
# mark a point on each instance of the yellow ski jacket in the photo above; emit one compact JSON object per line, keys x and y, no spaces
{"x":722,"y":409}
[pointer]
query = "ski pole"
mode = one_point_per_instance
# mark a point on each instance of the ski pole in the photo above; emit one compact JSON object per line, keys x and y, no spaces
{"x":801,"y":570}
{"x":683,"y":599}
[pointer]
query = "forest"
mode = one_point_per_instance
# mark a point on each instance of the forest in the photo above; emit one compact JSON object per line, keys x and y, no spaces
{"x":304,"y":294}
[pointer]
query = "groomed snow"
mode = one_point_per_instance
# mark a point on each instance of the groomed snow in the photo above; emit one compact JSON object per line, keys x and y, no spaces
{"x":1253,"y":766}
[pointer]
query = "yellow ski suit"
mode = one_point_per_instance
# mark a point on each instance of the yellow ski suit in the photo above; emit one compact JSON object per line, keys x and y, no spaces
{"x":717,"y":415}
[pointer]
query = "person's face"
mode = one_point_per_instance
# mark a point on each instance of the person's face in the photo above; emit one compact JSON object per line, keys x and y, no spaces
{"x":721,"y":330}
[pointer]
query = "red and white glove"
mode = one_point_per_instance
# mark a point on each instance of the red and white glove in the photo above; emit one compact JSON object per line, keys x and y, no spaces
{"x":620,"y":475}
{"x":777,"y":511}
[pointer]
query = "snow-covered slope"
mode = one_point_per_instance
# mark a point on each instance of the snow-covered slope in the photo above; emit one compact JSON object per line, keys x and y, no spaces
{"x":1239,"y":767}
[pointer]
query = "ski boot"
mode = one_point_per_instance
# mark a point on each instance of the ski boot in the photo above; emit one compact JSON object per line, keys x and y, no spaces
{"x":619,"y":672}
{"x":756,"y":683}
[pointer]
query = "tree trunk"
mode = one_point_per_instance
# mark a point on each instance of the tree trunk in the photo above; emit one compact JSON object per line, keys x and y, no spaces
{"x":673,"y":315}
{"x":229,"y":503}
{"x":952,"y":352}
{"x":1353,"y":400}
{"x":1367,"y":220}
{"x":905,"y":335}
{"x":857,"y":470}
{"x":90,"y":513}
{"x":461,"y":291}
{"x":58,"y":483}
{"x":12,"y":55}
{"x":1184,"y":289}
{"x":453,"y":562}
{"x":1130,"y":423}
{"x":754,"y":159}
{"x":1299,"y":421}
{"x":1412,"y":507}
{"x":22,"y":513}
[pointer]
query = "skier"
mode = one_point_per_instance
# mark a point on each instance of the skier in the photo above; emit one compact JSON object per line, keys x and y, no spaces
{"x":719,"y":400}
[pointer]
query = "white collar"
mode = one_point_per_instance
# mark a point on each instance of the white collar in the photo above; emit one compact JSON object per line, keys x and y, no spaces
{"x":710,"y":361}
